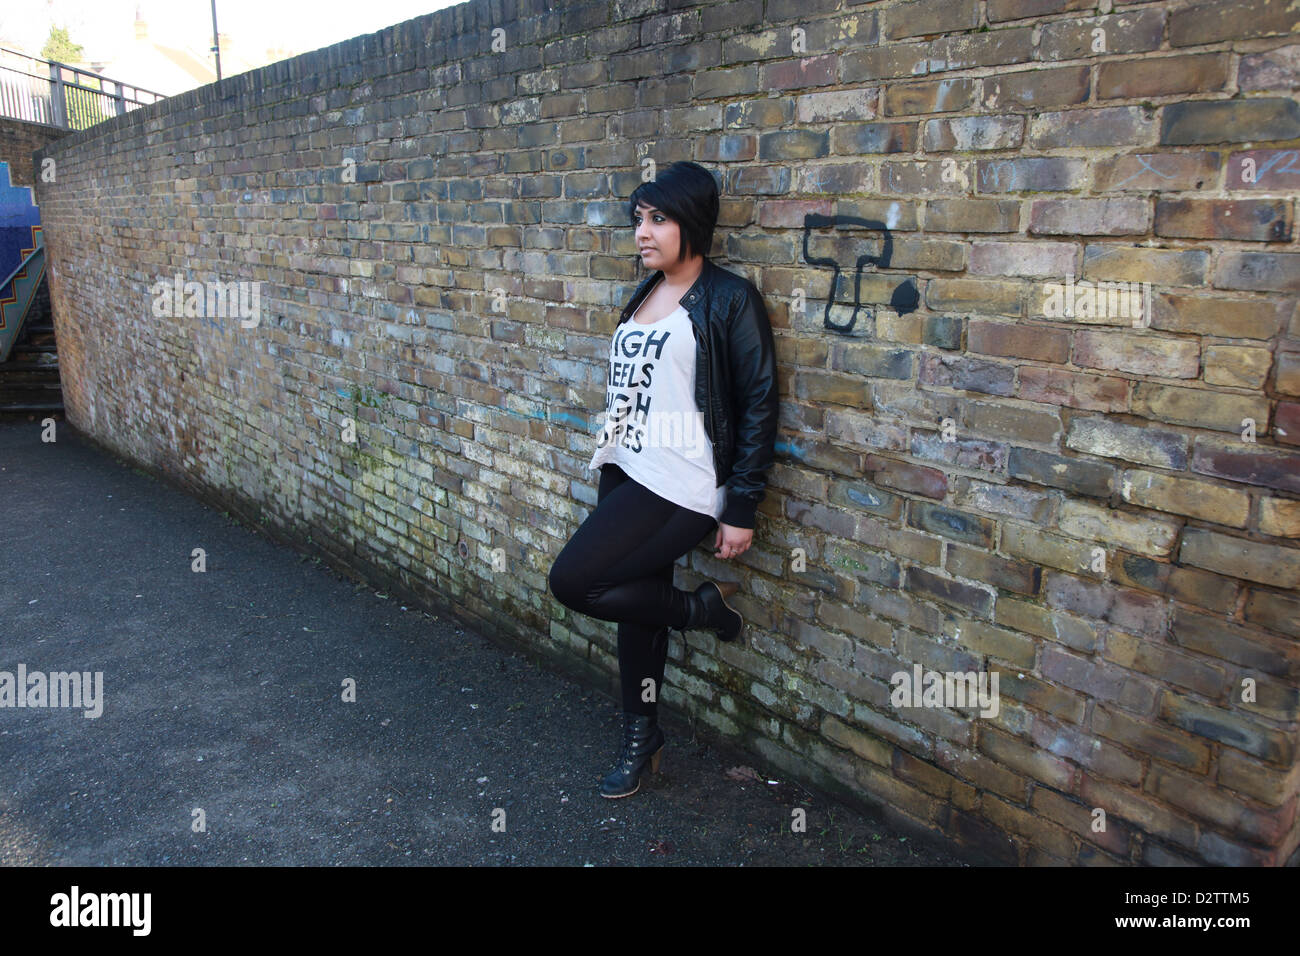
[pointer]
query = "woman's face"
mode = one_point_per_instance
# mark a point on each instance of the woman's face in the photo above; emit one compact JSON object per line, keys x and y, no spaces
{"x":658,"y":238}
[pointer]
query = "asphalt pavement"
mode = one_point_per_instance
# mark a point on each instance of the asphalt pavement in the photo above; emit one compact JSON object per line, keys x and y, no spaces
{"x":225,"y":735}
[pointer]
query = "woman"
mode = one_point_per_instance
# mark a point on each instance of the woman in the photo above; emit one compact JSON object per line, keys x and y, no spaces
{"x":689,"y":433}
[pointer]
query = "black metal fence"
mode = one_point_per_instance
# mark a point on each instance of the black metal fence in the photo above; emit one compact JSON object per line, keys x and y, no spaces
{"x":55,"y":94}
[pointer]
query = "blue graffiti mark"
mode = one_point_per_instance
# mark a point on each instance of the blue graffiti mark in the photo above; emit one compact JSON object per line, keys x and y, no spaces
{"x":1147,"y":167}
{"x":790,"y":448}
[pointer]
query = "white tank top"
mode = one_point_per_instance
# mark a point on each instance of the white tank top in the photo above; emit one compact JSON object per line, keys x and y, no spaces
{"x":652,"y":429}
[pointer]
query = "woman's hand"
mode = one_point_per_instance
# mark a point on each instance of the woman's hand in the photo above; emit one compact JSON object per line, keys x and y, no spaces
{"x":732,"y":541}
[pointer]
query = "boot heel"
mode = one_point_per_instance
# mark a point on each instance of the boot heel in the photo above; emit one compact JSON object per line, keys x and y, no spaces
{"x":654,"y":760}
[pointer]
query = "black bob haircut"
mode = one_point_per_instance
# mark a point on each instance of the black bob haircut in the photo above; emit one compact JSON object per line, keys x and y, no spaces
{"x":687,"y":194}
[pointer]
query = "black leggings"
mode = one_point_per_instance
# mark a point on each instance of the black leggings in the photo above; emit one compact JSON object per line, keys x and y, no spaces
{"x":618,"y":566}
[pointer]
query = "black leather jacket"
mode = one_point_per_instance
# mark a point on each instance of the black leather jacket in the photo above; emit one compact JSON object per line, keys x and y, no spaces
{"x":735,"y":381}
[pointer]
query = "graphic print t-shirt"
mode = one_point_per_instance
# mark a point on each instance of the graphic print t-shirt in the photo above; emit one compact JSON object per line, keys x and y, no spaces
{"x":653,"y":430}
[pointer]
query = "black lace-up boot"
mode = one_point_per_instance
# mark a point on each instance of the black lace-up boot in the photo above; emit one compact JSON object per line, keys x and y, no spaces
{"x":708,"y":610}
{"x":643,"y":744}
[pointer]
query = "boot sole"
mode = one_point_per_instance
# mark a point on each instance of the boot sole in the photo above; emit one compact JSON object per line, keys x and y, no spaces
{"x":653,"y":768}
{"x":740,"y":630}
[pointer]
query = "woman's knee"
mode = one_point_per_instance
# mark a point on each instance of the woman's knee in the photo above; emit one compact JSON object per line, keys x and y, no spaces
{"x":565,"y":582}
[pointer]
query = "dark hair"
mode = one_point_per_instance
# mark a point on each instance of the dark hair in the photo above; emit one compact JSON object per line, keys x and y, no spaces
{"x":687,"y":194}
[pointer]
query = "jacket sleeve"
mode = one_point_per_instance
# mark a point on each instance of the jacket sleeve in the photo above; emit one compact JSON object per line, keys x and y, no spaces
{"x":751,"y":355}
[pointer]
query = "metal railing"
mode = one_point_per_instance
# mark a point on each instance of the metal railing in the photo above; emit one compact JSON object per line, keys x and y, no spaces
{"x":55,"y":94}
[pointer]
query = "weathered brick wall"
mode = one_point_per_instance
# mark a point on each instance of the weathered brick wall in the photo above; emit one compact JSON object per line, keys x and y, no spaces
{"x":18,"y":140}
{"x":1100,"y":509}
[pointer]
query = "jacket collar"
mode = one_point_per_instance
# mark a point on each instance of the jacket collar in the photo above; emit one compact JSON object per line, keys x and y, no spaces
{"x":693,"y":301}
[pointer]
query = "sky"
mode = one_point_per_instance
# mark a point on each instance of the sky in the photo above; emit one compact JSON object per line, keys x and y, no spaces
{"x":300,"y":25}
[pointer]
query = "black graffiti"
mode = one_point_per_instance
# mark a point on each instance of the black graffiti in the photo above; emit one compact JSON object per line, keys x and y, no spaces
{"x":905,"y":296}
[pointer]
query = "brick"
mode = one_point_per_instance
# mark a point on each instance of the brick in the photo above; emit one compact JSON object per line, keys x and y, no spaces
{"x":1248,"y":776}
{"x":1249,"y":463}
{"x":1007,"y":500}
{"x":1042,"y":834}
{"x":1052,"y":386}
{"x":885,"y":62}
{"x":1023,"y":258}
{"x":964,"y":452}
{"x":860,"y":139}
{"x":1273,"y":170}
{"x":1128,"y":609}
{"x":1030,"y":174}
{"x":1094,"y":753}
{"x":1230,"y":121}
{"x":1250,"y":647}
{"x":1017,"y":576}
{"x":913,"y":178}
{"x":1275,"y":611}
{"x":1098,"y":681}
{"x":972,"y":215}
{"x":1090,"y":217}
{"x":984,"y":774}
{"x":1259,"y":271}
{"x":1227,"y":317}
{"x":1286,"y":423}
{"x":1228,"y":728}
{"x":1021,"y":9}
{"x":1241,"y":558}
{"x":1076,"y":817}
{"x":1277,"y":69}
{"x":1186,"y":496}
{"x":971,"y":599}
{"x":951,"y":524}
{"x":1072,"y":474}
{"x":1038,"y":343}
{"x":1236,"y":366}
{"x":1137,"y":808}
{"x":1144,"y":172}
{"x":974,"y":375}
{"x":1198,"y":407}
{"x":1214,"y":21}
{"x":1013,"y":421}
{"x":926,"y":17}
{"x":1107,"y":439}
{"x":1041,"y":547}
{"x":1288,"y":373}
{"x":1116,"y":263}
{"x":973,"y":133}
{"x":865,"y":746}
{"x":902,"y":476}
{"x":1256,"y":220}
{"x":970,"y":50}
{"x":1279,"y":517}
{"x":1104,"y":126}
{"x":1142,"y":354}
{"x":1162,"y":76}
{"x":1148,"y":536}
{"x":1026,"y":759}
{"x":1133,"y":31}
{"x":1165,"y":663}
{"x":1048,"y":623}
{"x":1169,"y":745}
{"x":899,"y":216}
{"x":932,"y":96}
{"x":1034,"y":90}
{"x":973,"y":295}
{"x":1257,"y":825}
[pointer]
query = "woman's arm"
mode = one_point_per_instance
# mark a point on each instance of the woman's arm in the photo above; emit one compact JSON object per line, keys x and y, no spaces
{"x":755,"y":408}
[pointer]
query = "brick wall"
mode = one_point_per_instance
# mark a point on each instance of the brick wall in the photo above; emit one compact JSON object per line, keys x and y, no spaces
{"x":18,"y":140}
{"x":1099,"y":507}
